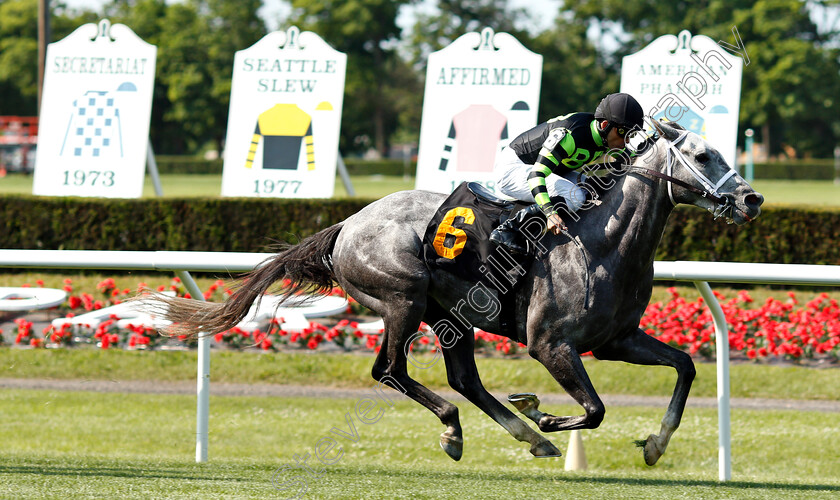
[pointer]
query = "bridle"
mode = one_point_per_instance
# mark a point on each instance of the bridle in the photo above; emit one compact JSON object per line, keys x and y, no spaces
{"x":723,"y":206}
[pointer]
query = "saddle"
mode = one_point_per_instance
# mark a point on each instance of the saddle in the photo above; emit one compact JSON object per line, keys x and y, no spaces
{"x":485,"y":194}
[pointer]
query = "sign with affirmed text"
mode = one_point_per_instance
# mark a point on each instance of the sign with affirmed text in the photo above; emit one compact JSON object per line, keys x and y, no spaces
{"x":692,"y":81}
{"x":285,"y":117}
{"x":481,"y":92}
{"x":95,"y":112}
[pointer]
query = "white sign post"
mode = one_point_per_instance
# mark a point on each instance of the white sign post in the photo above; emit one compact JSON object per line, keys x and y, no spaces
{"x":94,"y":123}
{"x":284,"y":119}
{"x":692,"y":81}
{"x":481,"y":92}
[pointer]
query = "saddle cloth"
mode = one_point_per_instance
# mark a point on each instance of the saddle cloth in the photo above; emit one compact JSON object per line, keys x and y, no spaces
{"x":457,"y":240}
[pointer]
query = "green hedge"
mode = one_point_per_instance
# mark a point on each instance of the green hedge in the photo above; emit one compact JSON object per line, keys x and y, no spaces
{"x":780,"y":235}
{"x":222,"y":224}
{"x":795,"y":170}
{"x":188,"y":165}
{"x":355,"y":166}
{"x":796,"y":235}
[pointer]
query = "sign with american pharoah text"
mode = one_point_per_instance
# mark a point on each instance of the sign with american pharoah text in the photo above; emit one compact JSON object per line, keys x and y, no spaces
{"x":95,"y":113}
{"x":692,"y":81}
{"x":285,"y":116}
{"x":481,"y":92}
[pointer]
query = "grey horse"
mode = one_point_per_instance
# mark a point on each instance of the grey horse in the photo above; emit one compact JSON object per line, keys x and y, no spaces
{"x":376,"y":256}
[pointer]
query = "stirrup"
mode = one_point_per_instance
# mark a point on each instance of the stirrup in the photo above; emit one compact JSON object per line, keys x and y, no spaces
{"x":508,"y":237}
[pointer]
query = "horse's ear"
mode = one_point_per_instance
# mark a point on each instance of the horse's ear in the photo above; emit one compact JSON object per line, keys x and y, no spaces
{"x":666,"y":130}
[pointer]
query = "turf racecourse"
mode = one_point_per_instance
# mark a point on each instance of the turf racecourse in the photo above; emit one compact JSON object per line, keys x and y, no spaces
{"x":775,"y":191}
{"x":113,"y":445}
{"x":116,"y":445}
{"x":84,"y":444}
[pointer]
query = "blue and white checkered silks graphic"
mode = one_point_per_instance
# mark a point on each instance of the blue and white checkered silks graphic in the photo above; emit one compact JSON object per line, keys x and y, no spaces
{"x":94,"y":130}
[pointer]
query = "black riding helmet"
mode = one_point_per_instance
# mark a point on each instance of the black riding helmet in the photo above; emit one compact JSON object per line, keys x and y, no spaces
{"x":620,"y":110}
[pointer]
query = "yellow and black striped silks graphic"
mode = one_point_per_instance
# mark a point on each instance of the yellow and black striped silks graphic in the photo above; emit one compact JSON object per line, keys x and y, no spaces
{"x":283,"y":128}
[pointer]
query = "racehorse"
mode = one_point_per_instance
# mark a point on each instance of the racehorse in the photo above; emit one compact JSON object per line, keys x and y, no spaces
{"x":376,"y":256}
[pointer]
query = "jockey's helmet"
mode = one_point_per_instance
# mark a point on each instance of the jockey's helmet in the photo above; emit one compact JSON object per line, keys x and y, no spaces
{"x":622,"y":111}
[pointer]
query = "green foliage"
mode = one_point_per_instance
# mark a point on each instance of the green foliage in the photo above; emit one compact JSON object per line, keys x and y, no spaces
{"x":434,"y":31}
{"x":789,"y":91}
{"x":796,"y":169}
{"x":19,"y":51}
{"x":196,"y":40}
{"x":365,"y":30}
{"x":575,"y":75}
{"x":790,"y":87}
{"x":221,"y":224}
{"x":781,"y":235}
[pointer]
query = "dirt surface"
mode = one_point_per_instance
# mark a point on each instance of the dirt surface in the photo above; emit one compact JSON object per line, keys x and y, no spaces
{"x":267,"y":390}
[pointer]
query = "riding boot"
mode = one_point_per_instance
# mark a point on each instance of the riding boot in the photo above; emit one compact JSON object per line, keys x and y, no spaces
{"x":508,"y":233}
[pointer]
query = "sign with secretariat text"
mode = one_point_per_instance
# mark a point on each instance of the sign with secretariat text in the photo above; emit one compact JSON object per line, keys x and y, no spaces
{"x":692,"y":81}
{"x":95,"y":112}
{"x":284,"y":118}
{"x":481,"y":92}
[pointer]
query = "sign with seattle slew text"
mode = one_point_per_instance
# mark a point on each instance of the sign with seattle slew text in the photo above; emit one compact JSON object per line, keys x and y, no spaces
{"x":95,"y":112}
{"x":481,"y":92}
{"x":692,"y":81}
{"x":284,"y":119}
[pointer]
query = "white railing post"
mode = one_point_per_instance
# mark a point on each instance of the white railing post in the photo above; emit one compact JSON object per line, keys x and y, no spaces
{"x":722,"y":352}
{"x":202,"y":414}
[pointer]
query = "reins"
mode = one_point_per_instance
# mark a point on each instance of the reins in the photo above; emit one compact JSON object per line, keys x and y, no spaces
{"x":680,"y":183}
{"x":585,"y":264}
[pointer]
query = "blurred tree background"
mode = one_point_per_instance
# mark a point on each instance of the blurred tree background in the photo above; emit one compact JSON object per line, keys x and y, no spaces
{"x":790,"y":93}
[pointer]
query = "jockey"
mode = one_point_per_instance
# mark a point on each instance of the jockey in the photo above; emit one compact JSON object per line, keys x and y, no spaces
{"x":559,"y":146}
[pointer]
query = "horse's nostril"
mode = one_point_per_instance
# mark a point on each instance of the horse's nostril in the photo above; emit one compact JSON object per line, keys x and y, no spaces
{"x":754,"y":200}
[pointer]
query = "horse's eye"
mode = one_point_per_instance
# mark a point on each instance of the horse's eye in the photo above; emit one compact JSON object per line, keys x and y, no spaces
{"x":702,"y":158}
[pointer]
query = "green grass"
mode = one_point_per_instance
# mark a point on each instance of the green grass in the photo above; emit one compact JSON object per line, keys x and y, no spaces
{"x":86,"y":445}
{"x":179,"y":186}
{"x":786,"y":192}
{"x":353,"y":370}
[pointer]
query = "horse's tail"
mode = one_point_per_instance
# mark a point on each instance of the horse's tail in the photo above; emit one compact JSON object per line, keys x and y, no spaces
{"x":305,"y":267}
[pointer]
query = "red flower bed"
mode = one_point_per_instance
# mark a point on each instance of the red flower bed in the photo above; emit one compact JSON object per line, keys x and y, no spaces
{"x":773,"y":330}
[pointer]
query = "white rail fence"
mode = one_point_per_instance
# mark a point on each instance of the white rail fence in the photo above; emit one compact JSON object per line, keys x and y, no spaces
{"x":182,"y":263}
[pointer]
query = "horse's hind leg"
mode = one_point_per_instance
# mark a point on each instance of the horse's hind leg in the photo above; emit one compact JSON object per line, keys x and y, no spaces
{"x":642,"y":349}
{"x":402,"y":320}
{"x":462,"y":375}
{"x":400,"y":325}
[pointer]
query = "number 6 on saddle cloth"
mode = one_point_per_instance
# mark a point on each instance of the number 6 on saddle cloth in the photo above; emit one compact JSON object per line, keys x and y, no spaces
{"x":457,"y":241}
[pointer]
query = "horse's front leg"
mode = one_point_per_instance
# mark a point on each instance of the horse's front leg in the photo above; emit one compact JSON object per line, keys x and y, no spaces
{"x":642,"y":349}
{"x":564,"y":364}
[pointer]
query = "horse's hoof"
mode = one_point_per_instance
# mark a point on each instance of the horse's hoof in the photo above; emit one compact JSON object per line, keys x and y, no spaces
{"x":452,"y":445}
{"x":524,"y":401}
{"x":545,"y":450}
{"x":652,"y":452}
